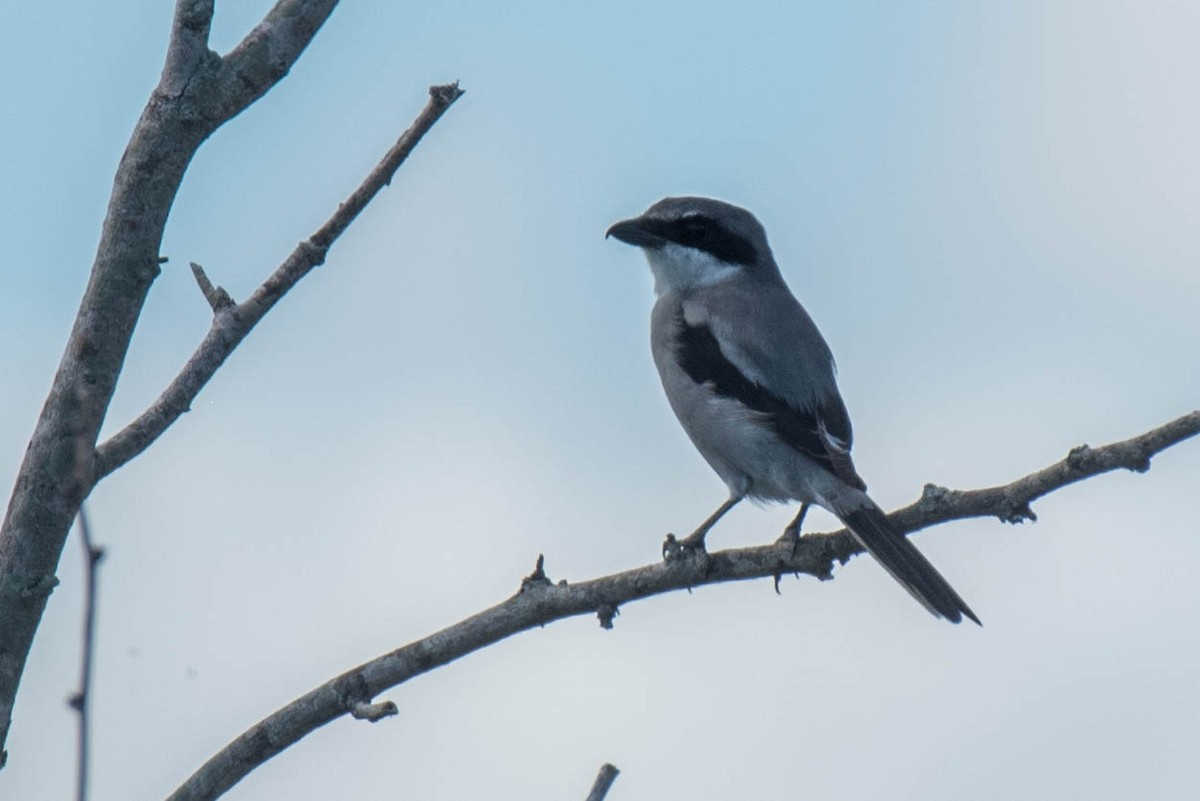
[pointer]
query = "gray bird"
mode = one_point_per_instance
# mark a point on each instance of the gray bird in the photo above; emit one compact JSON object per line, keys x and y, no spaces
{"x":752,"y":381}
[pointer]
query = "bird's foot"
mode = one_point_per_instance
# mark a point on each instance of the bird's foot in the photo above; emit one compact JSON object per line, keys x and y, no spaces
{"x":791,"y":534}
{"x":790,"y":537}
{"x":674,"y":548}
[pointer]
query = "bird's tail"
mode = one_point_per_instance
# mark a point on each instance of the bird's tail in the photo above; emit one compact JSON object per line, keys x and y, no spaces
{"x":907,"y":565}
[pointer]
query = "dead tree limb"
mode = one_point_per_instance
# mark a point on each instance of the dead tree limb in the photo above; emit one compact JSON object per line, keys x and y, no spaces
{"x":199,"y":91}
{"x":540,"y":601}
{"x":233,"y":321}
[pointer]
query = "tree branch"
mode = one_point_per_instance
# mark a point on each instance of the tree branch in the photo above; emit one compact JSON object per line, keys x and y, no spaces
{"x":197,"y":93}
{"x":539,"y":601}
{"x":1011,"y":502}
{"x":233,"y":321}
{"x":604,"y":780}
{"x":268,"y":52}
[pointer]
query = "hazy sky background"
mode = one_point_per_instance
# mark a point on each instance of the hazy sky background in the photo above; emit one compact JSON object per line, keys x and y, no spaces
{"x":993,"y":212}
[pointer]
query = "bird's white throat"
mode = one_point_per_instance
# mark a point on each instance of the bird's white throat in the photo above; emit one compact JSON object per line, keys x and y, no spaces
{"x":677,"y":268}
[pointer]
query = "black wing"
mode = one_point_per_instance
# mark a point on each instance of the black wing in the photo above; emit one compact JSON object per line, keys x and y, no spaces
{"x":822,"y":434}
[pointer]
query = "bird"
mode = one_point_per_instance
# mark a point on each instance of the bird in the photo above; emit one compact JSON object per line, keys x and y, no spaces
{"x":753,"y":382}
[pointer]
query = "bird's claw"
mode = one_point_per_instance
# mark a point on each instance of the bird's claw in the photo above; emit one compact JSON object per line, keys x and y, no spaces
{"x":674,"y":548}
{"x":790,"y":536}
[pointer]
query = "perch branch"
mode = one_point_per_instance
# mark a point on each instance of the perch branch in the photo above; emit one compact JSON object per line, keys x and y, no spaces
{"x":540,"y":601}
{"x":233,"y":321}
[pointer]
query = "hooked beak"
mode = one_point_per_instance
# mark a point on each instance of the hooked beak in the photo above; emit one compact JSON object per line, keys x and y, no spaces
{"x":638,"y":231}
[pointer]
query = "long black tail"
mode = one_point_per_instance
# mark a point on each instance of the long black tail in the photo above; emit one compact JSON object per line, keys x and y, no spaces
{"x":906,"y":564}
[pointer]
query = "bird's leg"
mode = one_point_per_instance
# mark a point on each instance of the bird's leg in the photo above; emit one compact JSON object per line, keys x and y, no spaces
{"x":792,"y":532}
{"x":695,"y":540}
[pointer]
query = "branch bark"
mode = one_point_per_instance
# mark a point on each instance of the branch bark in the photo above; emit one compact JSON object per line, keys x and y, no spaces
{"x":198,"y":92}
{"x":540,"y":601}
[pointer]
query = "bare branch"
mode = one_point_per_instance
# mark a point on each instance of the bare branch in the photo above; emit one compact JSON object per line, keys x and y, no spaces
{"x":80,"y":701}
{"x":268,"y":52}
{"x":232,"y":323}
{"x":540,"y":601}
{"x":604,"y":780}
{"x":1011,"y":503}
{"x":198,"y":92}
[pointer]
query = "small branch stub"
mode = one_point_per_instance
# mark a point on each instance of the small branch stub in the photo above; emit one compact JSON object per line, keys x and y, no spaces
{"x":934,"y":497}
{"x":1017,"y":512}
{"x":536,"y":579}
{"x":604,"y":780}
{"x":216,"y":296}
{"x":40,"y":588}
{"x":671,"y":548}
{"x":446,"y":93}
{"x":606,"y":613}
{"x":375,"y":712}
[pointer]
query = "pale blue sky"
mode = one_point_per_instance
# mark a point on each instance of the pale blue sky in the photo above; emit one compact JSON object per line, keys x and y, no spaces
{"x":993,"y":212}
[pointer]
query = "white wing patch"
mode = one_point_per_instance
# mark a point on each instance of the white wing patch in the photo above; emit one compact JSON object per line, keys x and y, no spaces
{"x":833,"y":443}
{"x":695,"y":314}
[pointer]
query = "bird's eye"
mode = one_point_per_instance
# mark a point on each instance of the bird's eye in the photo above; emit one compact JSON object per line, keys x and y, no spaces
{"x":694,"y":228}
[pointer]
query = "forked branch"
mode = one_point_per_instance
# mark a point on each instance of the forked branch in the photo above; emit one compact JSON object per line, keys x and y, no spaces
{"x":233,"y":321}
{"x":198,"y":92}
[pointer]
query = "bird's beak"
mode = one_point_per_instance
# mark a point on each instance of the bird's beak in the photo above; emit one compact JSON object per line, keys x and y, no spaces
{"x":639,"y":231}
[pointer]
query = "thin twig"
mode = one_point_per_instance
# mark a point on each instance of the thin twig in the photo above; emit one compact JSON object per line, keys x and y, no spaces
{"x":604,"y":779}
{"x":80,"y":701}
{"x":539,"y":602}
{"x":232,"y":322}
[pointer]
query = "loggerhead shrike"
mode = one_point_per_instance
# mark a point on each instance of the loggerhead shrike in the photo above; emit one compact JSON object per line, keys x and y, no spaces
{"x":752,"y":381}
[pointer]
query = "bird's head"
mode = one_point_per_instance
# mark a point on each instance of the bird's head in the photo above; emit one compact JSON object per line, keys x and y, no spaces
{"x":696,"y":242}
